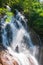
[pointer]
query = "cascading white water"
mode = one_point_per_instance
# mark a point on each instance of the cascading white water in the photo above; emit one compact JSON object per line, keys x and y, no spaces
{"x":17,"y":40}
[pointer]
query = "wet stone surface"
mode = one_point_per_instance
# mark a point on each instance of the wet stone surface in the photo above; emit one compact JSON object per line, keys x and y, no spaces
{"x":7,"y":59}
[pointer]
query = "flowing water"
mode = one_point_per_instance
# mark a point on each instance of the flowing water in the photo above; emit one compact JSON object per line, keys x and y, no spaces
{"x":17,"y":40}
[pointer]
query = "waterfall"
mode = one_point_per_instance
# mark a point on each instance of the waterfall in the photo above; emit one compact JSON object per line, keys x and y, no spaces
{"x":17,"y":40}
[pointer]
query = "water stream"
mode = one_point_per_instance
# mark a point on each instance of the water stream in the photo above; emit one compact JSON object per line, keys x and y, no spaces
{"x":17,"y":40}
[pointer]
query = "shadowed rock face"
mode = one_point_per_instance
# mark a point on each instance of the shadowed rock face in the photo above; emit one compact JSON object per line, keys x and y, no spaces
{"x":1,"y":31}
{"x":9,"y":33}
{"x":35,"y":37}
{"x":0,"y":34}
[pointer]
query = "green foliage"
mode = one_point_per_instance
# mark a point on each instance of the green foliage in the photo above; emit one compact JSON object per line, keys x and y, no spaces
{"x":32,"y":9}
{"x":3,"y":2}
{"x":3,"y":11}
{"x":36,"y":14}
{"x":21,"y":5}
{"x":36,"y":17}
{"x":9,"y":16}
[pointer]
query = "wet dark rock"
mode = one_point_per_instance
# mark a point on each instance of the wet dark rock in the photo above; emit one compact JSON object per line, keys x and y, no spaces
{"x":17,"y":49}
{"x":35,"y":37}
{"x":9,"y":33}
{"x":0,"y":32}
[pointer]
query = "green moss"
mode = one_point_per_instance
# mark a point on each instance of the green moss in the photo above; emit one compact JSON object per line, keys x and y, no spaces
{"x":3,"y":11}
{"x":9,"y":16}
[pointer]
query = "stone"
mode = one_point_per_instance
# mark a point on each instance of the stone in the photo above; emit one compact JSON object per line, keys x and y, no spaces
{"x":7,"y":59}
